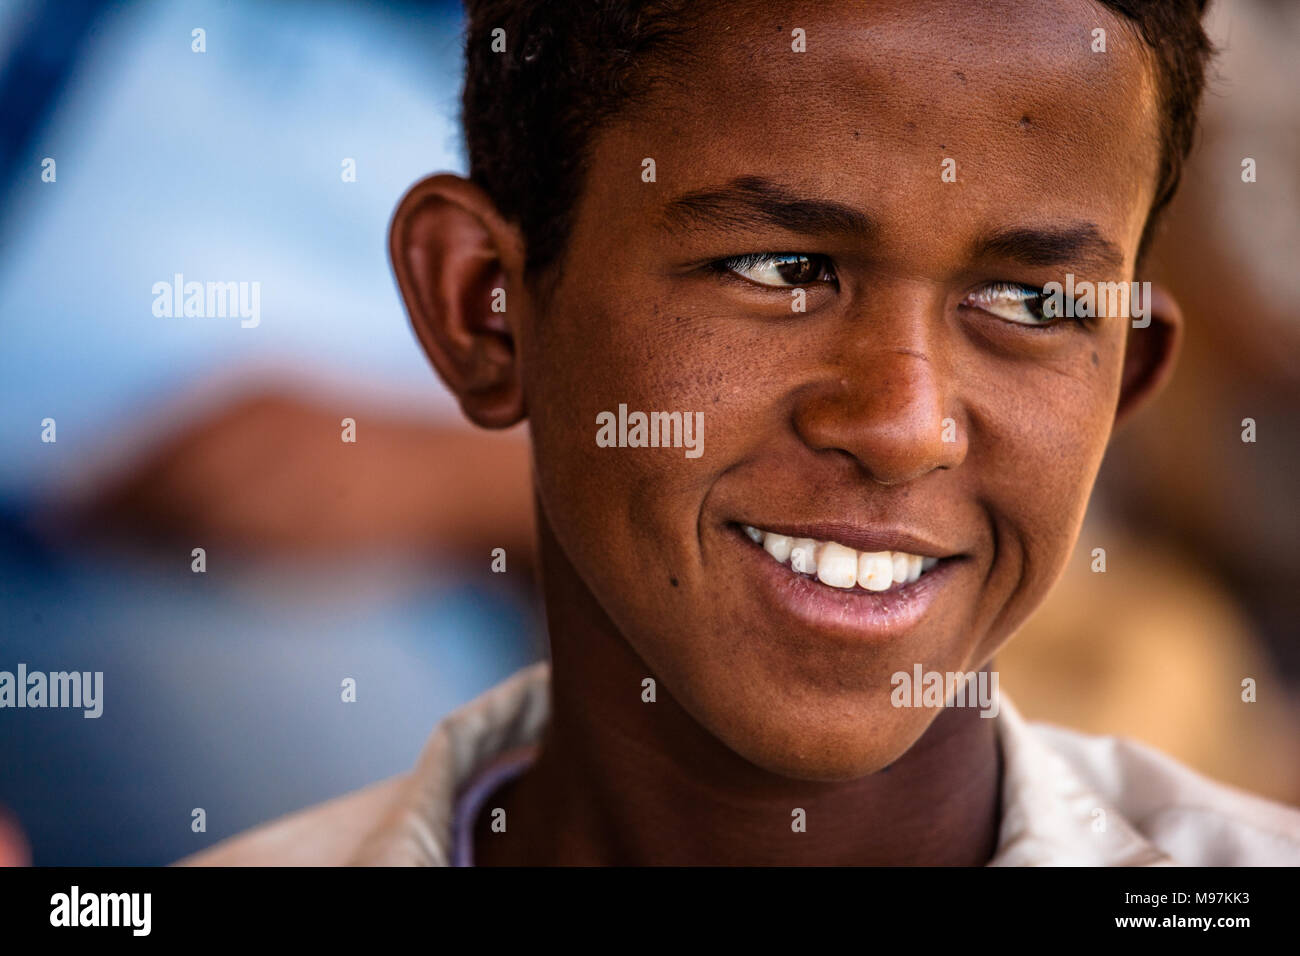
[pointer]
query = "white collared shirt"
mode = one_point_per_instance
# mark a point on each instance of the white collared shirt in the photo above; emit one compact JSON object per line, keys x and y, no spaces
{"x":1068,"y":799}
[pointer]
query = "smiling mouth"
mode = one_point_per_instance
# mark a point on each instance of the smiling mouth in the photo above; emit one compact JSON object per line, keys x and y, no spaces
{"x":839,"y":566}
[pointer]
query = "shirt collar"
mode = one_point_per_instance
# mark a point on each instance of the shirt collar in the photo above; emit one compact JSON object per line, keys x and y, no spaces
{"x":1049,"y":815}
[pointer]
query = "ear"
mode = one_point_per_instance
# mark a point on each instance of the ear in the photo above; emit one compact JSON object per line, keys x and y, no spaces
{"x":452,"y":251}
{"x":1149,"y":354}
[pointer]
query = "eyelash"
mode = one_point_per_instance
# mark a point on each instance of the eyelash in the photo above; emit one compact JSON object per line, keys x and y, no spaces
{"x":1033,"y":293}
{"x":733,"y":266}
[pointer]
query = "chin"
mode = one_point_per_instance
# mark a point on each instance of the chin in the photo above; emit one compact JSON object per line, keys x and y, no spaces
{"x":830,"y":747}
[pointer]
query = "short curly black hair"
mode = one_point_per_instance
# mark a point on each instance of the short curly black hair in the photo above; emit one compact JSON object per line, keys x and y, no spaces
{"x":529,"y":112}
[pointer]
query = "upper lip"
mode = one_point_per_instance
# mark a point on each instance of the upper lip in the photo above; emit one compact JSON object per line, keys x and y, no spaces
{"x":860,"y":538}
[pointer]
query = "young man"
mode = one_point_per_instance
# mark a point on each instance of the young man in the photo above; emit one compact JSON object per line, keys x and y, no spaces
{"x":808,"y":244}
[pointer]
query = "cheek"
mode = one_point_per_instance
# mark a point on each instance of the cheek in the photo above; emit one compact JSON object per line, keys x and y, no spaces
{"x":1042,"y":435}
{"x":627,"y":516}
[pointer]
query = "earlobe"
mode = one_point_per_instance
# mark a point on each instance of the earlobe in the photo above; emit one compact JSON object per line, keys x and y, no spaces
{"x":459,"y":266}
{"x":1150,"y":353}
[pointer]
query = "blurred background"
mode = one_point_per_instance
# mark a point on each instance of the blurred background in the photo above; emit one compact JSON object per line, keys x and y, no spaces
{"x":327,"y":560}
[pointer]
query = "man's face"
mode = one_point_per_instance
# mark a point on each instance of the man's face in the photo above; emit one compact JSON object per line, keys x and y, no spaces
{"x":919,"y":404}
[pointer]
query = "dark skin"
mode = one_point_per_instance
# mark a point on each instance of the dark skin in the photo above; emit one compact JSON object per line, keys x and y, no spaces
{"x":833,"y":415}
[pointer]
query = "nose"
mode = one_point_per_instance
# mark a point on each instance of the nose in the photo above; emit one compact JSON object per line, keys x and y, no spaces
{"x":888,"y":404}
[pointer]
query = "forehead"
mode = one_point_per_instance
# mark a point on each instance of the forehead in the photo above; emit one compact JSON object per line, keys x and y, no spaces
{"x":1038,"y":123}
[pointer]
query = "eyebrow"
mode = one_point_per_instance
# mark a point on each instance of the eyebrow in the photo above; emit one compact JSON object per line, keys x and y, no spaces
{"x":751,"y":201}
{"x":1080,"y":242}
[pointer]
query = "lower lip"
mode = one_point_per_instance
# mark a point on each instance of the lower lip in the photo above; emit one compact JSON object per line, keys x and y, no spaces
{"x":853,"y":613}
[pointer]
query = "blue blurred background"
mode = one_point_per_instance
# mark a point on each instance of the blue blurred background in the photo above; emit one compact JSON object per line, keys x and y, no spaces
{"x":222,"y":690}
{"x":220,"y":165}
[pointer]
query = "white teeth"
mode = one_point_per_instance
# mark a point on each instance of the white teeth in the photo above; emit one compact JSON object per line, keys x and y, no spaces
{"x":778,"y":546}
{"x":899,"y":565}
{"x":840,"y":566}
{"x":876,"y":570}
{"x":803,"y":555}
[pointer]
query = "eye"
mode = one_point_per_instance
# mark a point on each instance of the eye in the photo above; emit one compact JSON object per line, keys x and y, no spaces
{"x":1013,"y":302}
{"x":779,"y":270}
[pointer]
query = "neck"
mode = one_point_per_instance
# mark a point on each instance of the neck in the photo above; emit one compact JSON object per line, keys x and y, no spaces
{"x":618,"y":781}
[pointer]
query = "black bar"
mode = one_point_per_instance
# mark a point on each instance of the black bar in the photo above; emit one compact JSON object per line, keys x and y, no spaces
{"x":442,"y":906}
